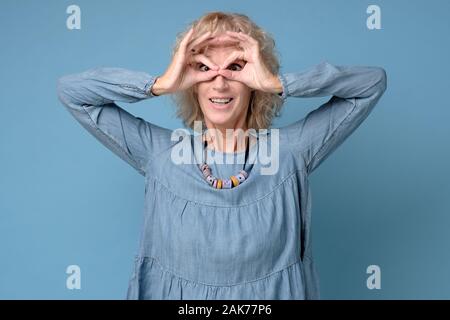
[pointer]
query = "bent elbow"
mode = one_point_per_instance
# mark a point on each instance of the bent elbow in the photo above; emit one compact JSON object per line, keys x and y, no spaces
{"x":63,"y":86}
{"x":382,"y":80}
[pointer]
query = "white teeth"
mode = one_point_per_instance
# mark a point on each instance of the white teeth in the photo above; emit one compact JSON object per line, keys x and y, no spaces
{"x":221,"y":101}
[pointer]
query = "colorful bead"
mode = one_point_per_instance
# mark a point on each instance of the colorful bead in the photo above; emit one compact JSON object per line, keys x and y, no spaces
{"x":206,"y":173}
{"x":226,"y":184}
{"x":210,"y":179}
{"x":219,"y":184}
{"x":235,"y":181}
{"x":215,"y":183}
{"x":244,"y":173}
{"x":240,"y":177}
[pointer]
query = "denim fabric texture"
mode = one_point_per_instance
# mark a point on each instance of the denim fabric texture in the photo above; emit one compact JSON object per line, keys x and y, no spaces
{"x":249,"y":242}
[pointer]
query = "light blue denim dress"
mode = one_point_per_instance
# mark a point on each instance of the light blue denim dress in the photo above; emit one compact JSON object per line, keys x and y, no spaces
{"x":249,"y":242}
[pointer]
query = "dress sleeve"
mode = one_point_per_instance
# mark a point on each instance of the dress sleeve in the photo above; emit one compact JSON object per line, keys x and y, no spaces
{"x":89,"y":96}
{"x":355,"y":91}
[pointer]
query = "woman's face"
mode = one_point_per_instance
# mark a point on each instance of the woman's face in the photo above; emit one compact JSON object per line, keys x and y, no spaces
{"x":228,"y":115}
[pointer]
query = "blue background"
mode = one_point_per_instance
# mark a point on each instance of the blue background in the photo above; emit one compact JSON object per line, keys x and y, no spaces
{"x":382,"y":198}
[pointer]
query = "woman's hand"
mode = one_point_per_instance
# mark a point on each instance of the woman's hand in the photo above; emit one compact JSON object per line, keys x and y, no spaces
{"x":183,"y":71}
{"x":254,"y":74}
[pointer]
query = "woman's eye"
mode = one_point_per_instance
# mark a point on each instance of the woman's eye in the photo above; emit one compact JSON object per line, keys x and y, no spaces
{"x":204,"y":67}
{"x":234,"y":65}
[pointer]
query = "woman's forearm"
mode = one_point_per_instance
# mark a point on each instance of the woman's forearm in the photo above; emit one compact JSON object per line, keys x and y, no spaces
{"x":90,"y":98}
{"x":341,"y":81}
{"x":103,"y":85}
{"x":355,"y":91}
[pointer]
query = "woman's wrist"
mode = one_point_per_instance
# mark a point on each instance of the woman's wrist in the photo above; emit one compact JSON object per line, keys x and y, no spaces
{"x":157,"y":88}
{"x":275,"y":85}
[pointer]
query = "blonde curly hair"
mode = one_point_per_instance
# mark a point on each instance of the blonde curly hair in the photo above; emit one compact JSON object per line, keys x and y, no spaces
{"x":263,"y":105}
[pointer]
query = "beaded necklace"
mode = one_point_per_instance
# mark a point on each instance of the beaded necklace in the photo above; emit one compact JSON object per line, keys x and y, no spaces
{"x":233,"y":181}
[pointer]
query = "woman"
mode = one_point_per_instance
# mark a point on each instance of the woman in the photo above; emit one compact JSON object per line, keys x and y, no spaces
{"x":224,"y":231}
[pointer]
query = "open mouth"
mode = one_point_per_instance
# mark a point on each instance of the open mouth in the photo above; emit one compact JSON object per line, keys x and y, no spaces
{"x":221,"y":101}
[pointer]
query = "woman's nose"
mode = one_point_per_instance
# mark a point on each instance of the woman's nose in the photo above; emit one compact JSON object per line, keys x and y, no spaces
{"x":220,"y":82}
